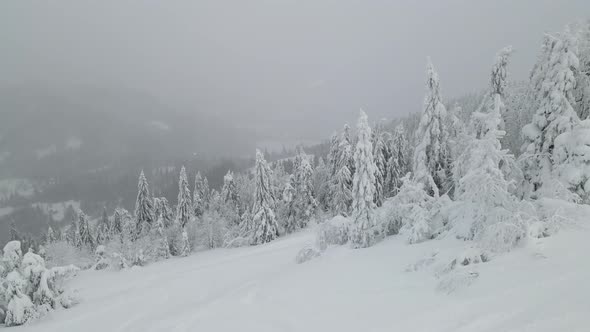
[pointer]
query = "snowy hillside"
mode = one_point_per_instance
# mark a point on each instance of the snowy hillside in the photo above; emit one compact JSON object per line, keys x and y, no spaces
{"x":390,"y":286}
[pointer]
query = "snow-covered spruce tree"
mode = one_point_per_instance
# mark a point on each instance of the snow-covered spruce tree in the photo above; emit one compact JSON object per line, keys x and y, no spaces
{"x":342,"y":179}
{"x":457,"y":131}
{"x":380,"y":153}
{"x":184,"y":206}
{"x":494,"y":99}
{"x":321,"y":185}
{"x":432,"y":164}
{"x":144,"y":207}
{"x":286,"y":209}
{"x":555,"y":114}
{"x":333,"y":154}
{"x":264,"y":221}
{"x":72,"y":232}
{"x":102,"y":229}
{"x":363,"y":233}
{"x":582,"y":89}
{"x":198,"y":199}
{"x":482,"y":187}
{"x":398,"y":164}
{"x":305,"y":202}
{"x":116,"y":228}
{"x":51,"y":236}
{"x":231,"y":200}
{"x":85,"y":233}
{"x":572,"y":157}
{"x":162,"y":246}
{"x":486,"y":208}
{"x":162,"y":209}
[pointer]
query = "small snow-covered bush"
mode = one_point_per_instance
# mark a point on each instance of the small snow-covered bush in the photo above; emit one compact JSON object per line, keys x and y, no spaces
{"x":28,"y":289}
{"x":306,"y":254}
{"x":413,"y":213}
{"x":333,"y":232}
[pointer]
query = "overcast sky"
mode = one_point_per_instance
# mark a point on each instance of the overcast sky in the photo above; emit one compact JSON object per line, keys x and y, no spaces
{"x":299,"y":69}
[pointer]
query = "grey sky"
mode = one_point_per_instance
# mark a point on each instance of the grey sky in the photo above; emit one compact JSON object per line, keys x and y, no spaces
{"x":299,"y":69}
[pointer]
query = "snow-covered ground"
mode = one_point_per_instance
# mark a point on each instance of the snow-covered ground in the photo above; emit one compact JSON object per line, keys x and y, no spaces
{"x":392,"y":286}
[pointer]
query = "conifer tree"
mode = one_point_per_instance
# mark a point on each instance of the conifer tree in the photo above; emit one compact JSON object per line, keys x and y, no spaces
{"x":363,"y":192}
{"x":85,"y":234}
{"x":264,"y":221}
{"x":163,"y":247}
{"x":582,"y":75}
{"x":398,"y":164}
{"x":144,"y":207}
{"x":305,"y":201}
{"x":198,"y":196}
{"x":162,"y":208}
{"x":183,"y":208}
{"x":379,"y":154}
{"x":50,"y":235}
{"x":481,"y":184}
{"x":342,"y":179}
{"x":555,"y":114}
{"x":432,"y":164}
{"x":102,"y":229}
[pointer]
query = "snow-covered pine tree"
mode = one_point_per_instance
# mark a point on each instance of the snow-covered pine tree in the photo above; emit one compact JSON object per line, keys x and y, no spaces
{"x":206,"y":193}
{"x":305,"y":202}
{"x":582,"y":89}
{"x":482,"y":186}
{"x":342,"y":179}
{"x":333,"y":154}
{"x":50,"y":238}
{"x":398,"y":164}
{"x":102,"y":229}
{"x":230,"y":199}
{"x":363,"y":193}
{"x":555,"y":114}
{"x":321,"y":187}
{"x":72,"y":233}
{"x":432,"y":164}
{"x":229,"y":192}
{"x":116,"y":227}
{"x":380,"y":153}
{"x":184,"y":205}
{"x":162,"y":208}
{"x":144,"y":207}
{"x":264,"y":221}
{"x":162,"y":245}
{"x":198,"y":199}
{"x":85,"y":234}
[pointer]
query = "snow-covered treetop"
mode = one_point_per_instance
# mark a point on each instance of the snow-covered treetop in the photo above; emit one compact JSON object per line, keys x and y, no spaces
{"x":499,"y":72}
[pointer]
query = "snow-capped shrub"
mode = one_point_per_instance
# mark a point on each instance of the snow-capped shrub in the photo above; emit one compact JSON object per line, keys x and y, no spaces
{"x":20,"y":308}
{"x":306,"y":254}
{"x":333,"y":232}
{"x":101,"y":259}
{"x":28,"y":289}
{"x":471,"y":255}
{"x":414,"y":213}
{"x":12,"y":255}
{"x":119,"y":261}
{"x":139,"y":259}
{"x":503,"y":236}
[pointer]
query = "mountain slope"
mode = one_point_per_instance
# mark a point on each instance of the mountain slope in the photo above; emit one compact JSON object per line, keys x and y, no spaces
{"x":540,"y":287}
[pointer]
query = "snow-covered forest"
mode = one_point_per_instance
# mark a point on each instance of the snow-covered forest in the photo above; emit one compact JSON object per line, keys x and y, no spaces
{"x":494,"y":170}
